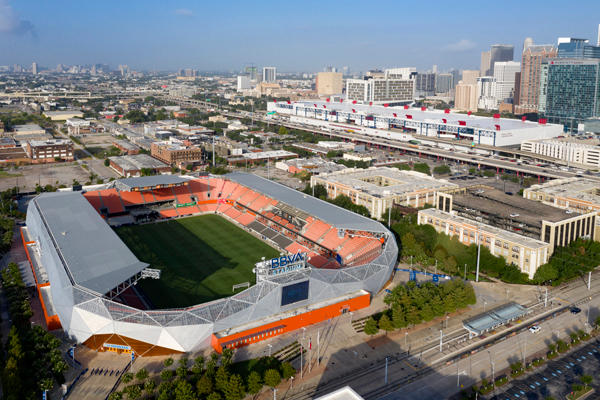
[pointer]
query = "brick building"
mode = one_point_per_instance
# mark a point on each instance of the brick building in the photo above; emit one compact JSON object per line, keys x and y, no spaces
{"x":44,"y":151}
{"x":176,"y":154}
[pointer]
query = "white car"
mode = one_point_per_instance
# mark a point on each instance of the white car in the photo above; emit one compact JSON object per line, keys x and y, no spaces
{"x":535,"y":329}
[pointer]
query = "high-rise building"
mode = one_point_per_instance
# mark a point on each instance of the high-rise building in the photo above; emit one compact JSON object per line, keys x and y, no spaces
{"x":501,"y":52}
{"x":395,"y":85}
{"x":425,"y":84}
{"x":486,"y":93}
{"x":124,"y":70}
{"x":243,"y":82}
{"x":465,"y":96}
{"x":469,"y":77}
{"x":526,"y":43}
{"x":577,"y":48}
{"x":456,"y":77}
{"x":444,"y":83}
{"x":252,"y":72}
{"x":531,"y":62}
{"x":329,"y":83}
{"x":34,"y":68}
{"x":269,"y":74}
{"x":504,"y":74}
{"x":570,"y":89}
{"x":484,"y":68}
{"x":517,"y":93}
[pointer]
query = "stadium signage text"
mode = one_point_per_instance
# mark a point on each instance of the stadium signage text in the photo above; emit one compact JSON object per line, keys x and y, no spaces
{"x":287,"y":260}
{"x":116,"y":346}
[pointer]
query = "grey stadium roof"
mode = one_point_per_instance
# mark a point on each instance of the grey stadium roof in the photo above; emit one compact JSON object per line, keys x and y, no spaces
{"x":148,"y":181}
{"x":94,"y":255}
{"x":332,"y":214}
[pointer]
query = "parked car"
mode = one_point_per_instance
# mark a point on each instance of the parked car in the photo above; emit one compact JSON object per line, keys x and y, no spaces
{"x":575,"y":310}
{"x":535,"y":329}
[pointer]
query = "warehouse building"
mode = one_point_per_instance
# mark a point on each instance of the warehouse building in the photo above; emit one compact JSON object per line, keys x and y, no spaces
{"x":51,"y":150}
{"x":574,"y":152}
{"x":378,"y":188}
{"x":134,"y":165}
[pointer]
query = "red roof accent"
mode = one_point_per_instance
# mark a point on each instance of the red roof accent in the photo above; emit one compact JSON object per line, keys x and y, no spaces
{"x":314,"y":105}
{"x":370,"y":103}
{"x":496,"y":115}
{"x":341,"y":100}
{"x":408,"y":116}
{"x":497,"y":127}
{"x":353,"y":101}
{"x":289,"y":102}
{"x":464,"y":123}
{"x":523,"y":118}
{"x":423,"y":108}
{"x":328,"y":99}
{"x":324,"y":106}
{"x":406,"y":107}
{"x":353,"y":110}
{"x":386,"y":105}
{"x":444,"y":120}
{"x":469,"y":113}
{"x":395,"y":115}
{"x":447,"y":111}
{"x":542,"y":121}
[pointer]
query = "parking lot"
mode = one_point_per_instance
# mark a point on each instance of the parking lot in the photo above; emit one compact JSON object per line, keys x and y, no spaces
{"x":28,"y":176}
{"x":557,"y":377}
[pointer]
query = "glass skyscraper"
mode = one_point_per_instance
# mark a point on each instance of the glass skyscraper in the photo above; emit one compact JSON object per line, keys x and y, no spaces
{"x":570,"y":89}
{"x":577,"y":48}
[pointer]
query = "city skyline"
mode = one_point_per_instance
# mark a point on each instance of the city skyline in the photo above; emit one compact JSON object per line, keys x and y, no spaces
{"x":293,"y":38}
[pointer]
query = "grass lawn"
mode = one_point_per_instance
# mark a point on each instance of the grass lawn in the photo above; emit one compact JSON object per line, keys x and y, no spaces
{"x":200,"y":258}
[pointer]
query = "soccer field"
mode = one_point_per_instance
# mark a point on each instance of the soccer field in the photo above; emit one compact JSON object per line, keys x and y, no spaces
{"x":200,"y":258}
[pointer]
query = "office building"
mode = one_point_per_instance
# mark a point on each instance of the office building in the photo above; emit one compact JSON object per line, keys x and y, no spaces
{"x":444,"y":83}
{"x":394,"y":86}
{"x":579,"y":195}
{"x":504,"y":74}
{"x":176,"y":154}
{"x":526,"y":253}
{"x":571,"y":151}
{"x":499,"y":53}
{"x":252,"y":72}
{"x":518,"y":215}
{"x":465,"y":93}
{"x":50,"y":150}
{"x":425,"y":84}
{"x":570,"y":90}
{"x":484,"y":68}
{"x":243,"y":83}
{"x":34,"y":68}
{"x":378,"y":188}
{"x":528,"y":42}
{"x":486,"y":93}
{"x":577,"y":48}
{"x":329,"y":83}
{"x":269,"y":74}
{"x":531,"y":65}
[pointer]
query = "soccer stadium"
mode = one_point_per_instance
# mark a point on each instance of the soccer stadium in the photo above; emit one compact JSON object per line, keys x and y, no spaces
{"x":166,"y":264}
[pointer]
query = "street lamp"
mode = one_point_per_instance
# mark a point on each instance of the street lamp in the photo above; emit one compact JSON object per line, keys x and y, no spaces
{"x":270,"y":346}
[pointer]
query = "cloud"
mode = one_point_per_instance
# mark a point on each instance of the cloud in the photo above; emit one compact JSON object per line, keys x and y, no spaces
{"x":184,"y":11}
{"x":461,"y":45}
{"x":11,"y":23}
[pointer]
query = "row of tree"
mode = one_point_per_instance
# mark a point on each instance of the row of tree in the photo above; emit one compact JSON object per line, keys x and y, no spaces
{"x":411,"y":304}
{"x":214,"y":379}
{"x":579,"y":257}
{"x":32,"y":361}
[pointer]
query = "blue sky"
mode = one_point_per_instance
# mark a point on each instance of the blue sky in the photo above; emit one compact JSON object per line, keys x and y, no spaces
{"x":293,"y":35}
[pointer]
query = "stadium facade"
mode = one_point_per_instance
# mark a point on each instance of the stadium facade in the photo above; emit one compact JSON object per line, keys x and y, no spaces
{"x":83,"y":268}
{"x":401,"y":123}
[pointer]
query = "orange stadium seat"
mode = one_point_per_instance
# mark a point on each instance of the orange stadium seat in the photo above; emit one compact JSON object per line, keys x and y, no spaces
{"x":238,"y":192}
{"x":295,"y":248}
{"x":248,"y":198}
{"x":168,"y":213}
{"x":232,"y":213}
{"x":245,"y":218}
{"x":148,"y":197}
{"x":182,"y":194}
{"x":316,"y":229}
{"x":131,"y":198}
{"x":331,"y":240}
{"x":191,"y":210}
{"x":260,"y":203}
{"x":317,"y":260}
{"x":164,"y":194}
{"x":199,"y":188}
{"x":94,"y":199}
{"x":112,"y":200}
{"x":228,"y":188}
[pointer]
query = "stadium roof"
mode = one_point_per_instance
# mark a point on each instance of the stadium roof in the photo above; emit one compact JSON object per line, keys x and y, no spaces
{"x":93,"y":255}
{"x":149,"y":181}
{"x":332,"y":214}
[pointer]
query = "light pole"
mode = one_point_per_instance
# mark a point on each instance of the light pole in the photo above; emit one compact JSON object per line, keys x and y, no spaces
{"x":484,"y":304}
{"x":465,"y":272}
{"x":386,"y":371}
{"x":291,"y":382}
{"x":478,"y":253}
{"x":274,"y":394}
{"x":270,"y":346}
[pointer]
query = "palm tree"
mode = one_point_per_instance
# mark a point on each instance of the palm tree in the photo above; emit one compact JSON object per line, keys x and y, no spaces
{"x":586,"y":380}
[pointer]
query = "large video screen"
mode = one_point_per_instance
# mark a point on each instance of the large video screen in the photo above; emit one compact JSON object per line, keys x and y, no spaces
{"x":294,"y":293}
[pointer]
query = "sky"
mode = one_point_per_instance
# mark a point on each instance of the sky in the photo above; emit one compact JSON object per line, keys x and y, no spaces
{"x":294,"y":36}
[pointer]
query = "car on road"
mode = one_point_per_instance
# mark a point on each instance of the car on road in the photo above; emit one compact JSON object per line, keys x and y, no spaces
{"x":575,"y":310}
{"x":535,"y":329}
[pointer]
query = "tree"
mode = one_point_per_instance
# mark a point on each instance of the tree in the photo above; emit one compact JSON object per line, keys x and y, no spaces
{"x":141,"y":375}
{"x":586,"y":380}
{"x":115,"y":396}
{"x":214,"y":396}
{"x":106,"y":162}
{"x":283,"y":130}
{"x":166,"y":375}
{"x":204,"y":385}
{"x":184,"y":390}
{"x":272,"y":378}
{"x":371,"y":327}
{"x":287,"y":370}
{"x":221,"y":379}
{"x":168,"y":362}
{"x":133,"y":392}
{"x":545,"y":273}
{"x":254,"y":382}
{"x":235,"y":389}
{"x":198,"y":366}
{"x":226,"y":357}
{"x":127,"y":377}
{"x":150,"y":386}
{"x":385,"y":323}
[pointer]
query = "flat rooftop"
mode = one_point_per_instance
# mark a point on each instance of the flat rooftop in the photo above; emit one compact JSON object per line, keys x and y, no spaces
{"x":154,"y":181}
{"x":499,"y":233}
{"x":49,"y":142}
{"x":574,"y":188}
{"x":385,"y":181}
{"x":496,"y":202}
{"x":137,"y":162}
{"x":28,"y":128}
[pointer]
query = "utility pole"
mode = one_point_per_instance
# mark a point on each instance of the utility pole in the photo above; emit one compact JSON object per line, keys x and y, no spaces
{"x":441,"y":338}
{"x":318,"y":348}
{"x":465,"y":272}
{"x":301,"y":351}
{"x":589,"y":285}
{"x":546,"y":299}
{"x":390,"y":216}
{"x":478,"y":253}
{"x":213,"y":150}
{"x":386,"y":370}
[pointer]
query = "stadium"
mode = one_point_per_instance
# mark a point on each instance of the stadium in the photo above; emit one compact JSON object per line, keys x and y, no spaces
{"x":165,"y":264}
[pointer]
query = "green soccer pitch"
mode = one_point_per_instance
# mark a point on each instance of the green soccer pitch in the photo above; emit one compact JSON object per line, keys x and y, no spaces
{"x":200,"y":258}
